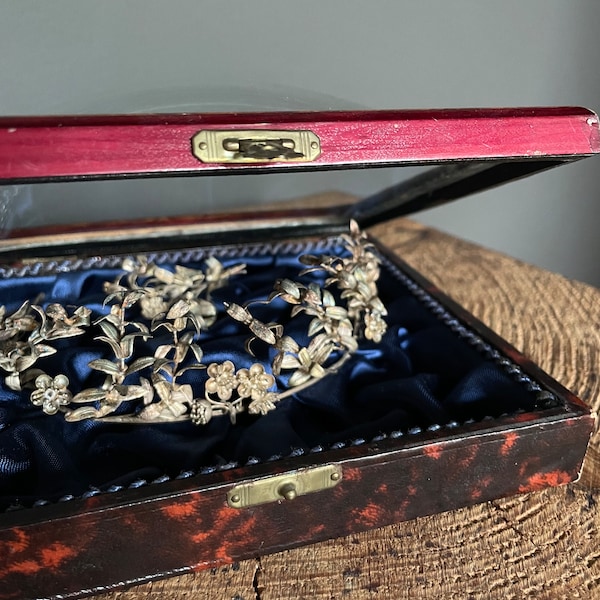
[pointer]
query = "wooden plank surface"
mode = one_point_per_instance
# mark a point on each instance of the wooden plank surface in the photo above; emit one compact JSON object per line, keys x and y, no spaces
{"x":539,"y":545}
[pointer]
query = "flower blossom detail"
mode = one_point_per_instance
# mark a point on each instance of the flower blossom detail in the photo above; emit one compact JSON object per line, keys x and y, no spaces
{"x":264,"y":404}
{"x":254,"y":382}
{"x":153,"y":305}
{"x":222,"y":380}
{"x":375,"y":326}
{"x":51,"y":393}
{"x":60,"y":325}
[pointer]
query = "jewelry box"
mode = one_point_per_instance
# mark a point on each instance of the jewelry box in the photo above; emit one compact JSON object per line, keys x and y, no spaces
{"x":181,"y":391}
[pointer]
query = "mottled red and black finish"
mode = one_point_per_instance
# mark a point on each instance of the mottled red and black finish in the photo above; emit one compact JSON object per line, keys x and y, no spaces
{"x":114,"y":540}
{"x":120,"y":539}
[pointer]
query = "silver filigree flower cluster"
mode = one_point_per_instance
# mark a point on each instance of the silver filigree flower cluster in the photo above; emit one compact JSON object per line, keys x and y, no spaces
{"x":147,"y":299}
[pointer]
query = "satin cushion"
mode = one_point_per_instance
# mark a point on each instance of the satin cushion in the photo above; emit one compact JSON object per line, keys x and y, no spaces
{"x":421,"y":374}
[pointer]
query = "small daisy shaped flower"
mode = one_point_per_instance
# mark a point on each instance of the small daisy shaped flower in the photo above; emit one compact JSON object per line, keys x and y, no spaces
{"x":222,"y":380}
{"x":51,"y":393}
{"x":254,"y":382}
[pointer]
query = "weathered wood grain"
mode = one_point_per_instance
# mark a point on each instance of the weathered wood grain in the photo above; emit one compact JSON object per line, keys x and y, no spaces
{"x":539,"y":545}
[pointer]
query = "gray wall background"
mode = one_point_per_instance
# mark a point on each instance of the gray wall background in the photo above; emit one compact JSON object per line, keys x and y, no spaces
{"x":78,"y":56}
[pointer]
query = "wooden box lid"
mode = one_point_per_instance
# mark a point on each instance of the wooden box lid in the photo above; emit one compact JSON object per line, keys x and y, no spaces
{"x":474,"y":149}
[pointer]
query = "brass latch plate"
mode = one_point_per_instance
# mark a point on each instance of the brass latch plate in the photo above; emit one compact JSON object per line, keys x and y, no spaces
{"x":256,"y":145}
{"x":284,"y":487}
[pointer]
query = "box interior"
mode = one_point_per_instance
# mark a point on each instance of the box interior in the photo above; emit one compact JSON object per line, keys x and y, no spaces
{"x":428,"y":371}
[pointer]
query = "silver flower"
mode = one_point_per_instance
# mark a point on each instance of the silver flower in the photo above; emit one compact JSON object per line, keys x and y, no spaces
{"x":153,"y":305}
{"x":51,"y":393}
{"x":254,"y":382}
{"x":187,"y":278}
{"x":264,"y":404}
{"x":59,"y":325}
{"x":375,"y":326}
{"x":222,"y":380}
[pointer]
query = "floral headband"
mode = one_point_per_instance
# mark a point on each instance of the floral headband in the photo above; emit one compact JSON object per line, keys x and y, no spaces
{"x":149,"y":298}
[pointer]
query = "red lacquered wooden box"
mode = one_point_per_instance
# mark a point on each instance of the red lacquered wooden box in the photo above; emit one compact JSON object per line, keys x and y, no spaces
{"x":435,"y":413}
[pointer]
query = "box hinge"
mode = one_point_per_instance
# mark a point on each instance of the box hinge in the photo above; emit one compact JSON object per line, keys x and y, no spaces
{"x":287,"y":486}
{"x":252,"y":146}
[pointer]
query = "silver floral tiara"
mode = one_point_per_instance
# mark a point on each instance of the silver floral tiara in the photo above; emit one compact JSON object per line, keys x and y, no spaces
{"x":148,"y":298}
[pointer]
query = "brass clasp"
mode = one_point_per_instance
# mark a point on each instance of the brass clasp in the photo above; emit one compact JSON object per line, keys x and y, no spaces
{"x":287,"y":486}
{"x":248,"y":146}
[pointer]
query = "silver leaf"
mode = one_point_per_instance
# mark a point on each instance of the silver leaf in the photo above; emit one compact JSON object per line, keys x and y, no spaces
{"x":139,"y":364}
{"x":289,"y":361}
{"x":298,"y":378}
{"x":106,"y":366}
{"x":179,"y":309}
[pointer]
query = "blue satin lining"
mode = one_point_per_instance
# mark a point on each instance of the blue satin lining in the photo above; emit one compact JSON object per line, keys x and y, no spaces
{"x":421,"y":374}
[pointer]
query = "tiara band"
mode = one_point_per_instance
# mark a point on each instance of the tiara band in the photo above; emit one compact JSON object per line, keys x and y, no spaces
{"x":147,"y":299}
